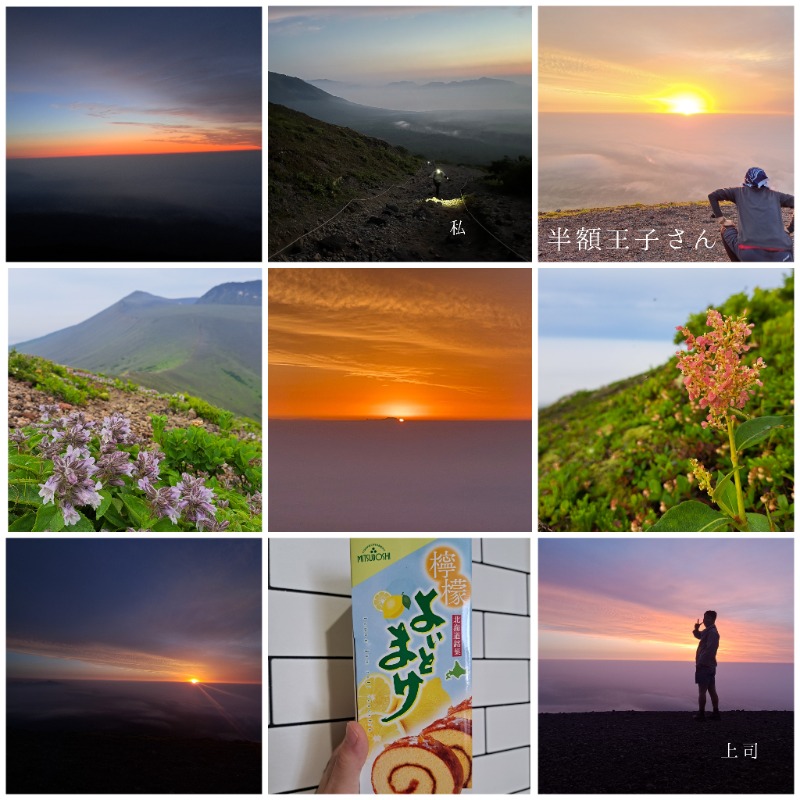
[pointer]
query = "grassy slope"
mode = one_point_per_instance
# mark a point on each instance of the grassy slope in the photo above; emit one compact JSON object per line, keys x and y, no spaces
{"x":208,"y":350}
{"x":616,"y":458}
{"x":314,"y":166}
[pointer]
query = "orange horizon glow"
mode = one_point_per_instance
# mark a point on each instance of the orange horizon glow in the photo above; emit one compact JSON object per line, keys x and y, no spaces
{"x":142,"y":149}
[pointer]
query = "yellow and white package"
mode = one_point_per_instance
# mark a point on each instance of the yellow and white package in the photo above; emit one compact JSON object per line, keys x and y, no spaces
{"x":413,"y":663}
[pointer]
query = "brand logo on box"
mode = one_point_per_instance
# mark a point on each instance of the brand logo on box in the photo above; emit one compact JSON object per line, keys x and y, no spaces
{"x":374,"y":552}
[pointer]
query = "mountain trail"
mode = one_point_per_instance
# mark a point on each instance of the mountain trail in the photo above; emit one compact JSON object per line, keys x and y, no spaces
{"x":406,"y":222}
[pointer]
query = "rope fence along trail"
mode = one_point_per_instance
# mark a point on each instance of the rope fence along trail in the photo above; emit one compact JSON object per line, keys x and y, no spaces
{"x":354,"y":200}
{"x":463,"y":200}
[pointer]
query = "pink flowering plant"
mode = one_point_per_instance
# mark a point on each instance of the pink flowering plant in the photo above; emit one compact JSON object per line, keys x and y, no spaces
{"x":720,"y":382}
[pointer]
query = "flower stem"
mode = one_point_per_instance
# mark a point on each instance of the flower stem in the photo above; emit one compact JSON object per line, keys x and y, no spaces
{"x":736,"y":479}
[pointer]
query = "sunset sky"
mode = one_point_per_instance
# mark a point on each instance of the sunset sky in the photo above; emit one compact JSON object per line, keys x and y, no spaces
{"x":417,"y":343}
{"x":134,"y":609}
{"x":404,"y":43}
{"x":639,"y":600}
{"x":676,"y":59}
{"x":113,"y":81}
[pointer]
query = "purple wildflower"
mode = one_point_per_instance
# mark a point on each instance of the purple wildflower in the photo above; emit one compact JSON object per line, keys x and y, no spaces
{"x":71,"y":483}
{"x":254,"y":502}
{"x":17,"y":436}
{"x":146,"y":467}
{"x":116,"y":430}
{"x":112,"y":465}
{"x":163,"y":501}
{"x":194,"y":501}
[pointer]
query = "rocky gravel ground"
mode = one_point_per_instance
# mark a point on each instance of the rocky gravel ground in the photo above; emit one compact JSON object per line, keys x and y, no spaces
{"x":24,"y":402}
{"x":407,"y":223}
{"x":664,"y":752}
{"x":670,"y":233}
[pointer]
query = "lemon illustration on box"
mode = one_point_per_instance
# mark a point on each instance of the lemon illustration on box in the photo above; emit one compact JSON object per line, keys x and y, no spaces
{"x":413,"y":663}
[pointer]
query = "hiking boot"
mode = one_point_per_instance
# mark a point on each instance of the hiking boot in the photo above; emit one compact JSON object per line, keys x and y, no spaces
{"x":701,"y":717}
{"x":714,"y":715}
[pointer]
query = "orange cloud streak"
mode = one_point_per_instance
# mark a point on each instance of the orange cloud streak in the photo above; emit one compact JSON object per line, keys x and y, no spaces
{"x":428,"y":343}
{"x":579,"y":624}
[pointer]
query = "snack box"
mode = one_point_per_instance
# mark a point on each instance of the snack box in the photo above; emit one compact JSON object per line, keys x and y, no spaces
{"x":412,"y":630}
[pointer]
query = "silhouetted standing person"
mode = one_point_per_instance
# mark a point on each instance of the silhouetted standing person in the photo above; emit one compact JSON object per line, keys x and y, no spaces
{"x":761,"y":235}
{"x":706,"y":664}
{"x":439,"y":176}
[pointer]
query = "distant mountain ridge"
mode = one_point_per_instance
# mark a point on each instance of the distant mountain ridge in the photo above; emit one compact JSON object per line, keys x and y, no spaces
{"x":234,"y":294}
{"x":454,"y":136}
{"x":208,"y":346}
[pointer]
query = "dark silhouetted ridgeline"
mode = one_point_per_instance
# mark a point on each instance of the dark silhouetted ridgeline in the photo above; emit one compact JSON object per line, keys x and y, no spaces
{"x":107,"y":763}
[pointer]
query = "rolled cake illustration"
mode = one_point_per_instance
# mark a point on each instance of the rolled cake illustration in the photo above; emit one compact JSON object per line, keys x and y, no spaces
{"x":417,"y":765}
{"x":456,"y":733}
{"x":463,"y":709}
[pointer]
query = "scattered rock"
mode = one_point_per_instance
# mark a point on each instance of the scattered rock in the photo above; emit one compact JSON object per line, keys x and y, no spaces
{"x":376,"y":221}
{"x":333,"y":244}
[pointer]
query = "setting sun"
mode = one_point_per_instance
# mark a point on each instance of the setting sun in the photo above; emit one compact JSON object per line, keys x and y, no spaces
{"x":193,"y":680}
{"x":686,"y":104}
{"x":683,"y":99}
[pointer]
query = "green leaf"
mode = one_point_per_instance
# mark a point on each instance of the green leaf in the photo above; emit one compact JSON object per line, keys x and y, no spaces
{"x":691,"y":516}
{"x":756,"y":430}
{"x":725,"y":494}
{"x":164,"y":525}
{"x":137,"y":509}
{"x":106,"y":504}
{"x":24,"y":491}
{"x":44,"y":516}
{"x":758,"y":523}
{"x":31,"y":464}
{"x":24,"y":523}
{"x":406,"y":600}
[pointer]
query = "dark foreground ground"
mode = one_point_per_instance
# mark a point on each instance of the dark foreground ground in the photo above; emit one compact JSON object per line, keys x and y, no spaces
{"x":665,"y":752}
{"x":83,"y":763}
{"x":94,"y":237}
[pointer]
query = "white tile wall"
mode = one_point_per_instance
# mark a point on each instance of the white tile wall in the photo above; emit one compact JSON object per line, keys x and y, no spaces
{"x":499,"y":682}
{"x":312,"y":689}
{"x":507,"y":727}
{"x":477,"y":634}
{"x":511,"y":553}
{"x":315,"y":565}
{"x":507,"y":637}
{"x":310,"y":686}
{"x":309,"y":625}
{"x":502,"y":773}
{"x":477,"y":550}
{"x":499,"y":590}
{"x":478,"y":731}
{"x":296,"y":755}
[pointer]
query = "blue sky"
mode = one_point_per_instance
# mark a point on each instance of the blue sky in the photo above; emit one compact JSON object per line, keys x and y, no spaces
{"x":41,"y":301}
{"x":637,"y":304}
{"x":597,"y":326}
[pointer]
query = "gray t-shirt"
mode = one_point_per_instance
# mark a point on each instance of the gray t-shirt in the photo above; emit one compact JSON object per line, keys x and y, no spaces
{"x":760,"y":221}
